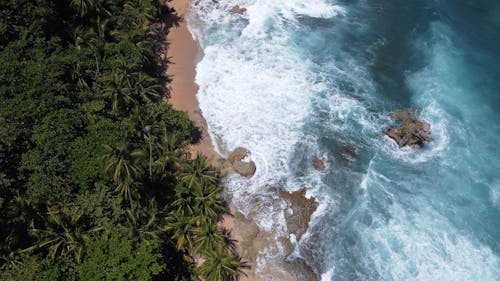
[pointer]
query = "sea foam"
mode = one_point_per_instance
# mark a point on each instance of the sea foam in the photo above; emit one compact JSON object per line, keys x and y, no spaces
{"x":385,"y":213}
{"x":255,"y":92}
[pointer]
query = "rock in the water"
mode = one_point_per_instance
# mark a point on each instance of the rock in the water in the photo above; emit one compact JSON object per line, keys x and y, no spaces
{"x":300,"y":210}
{"x":238,"y":10}
{"x":411,"y":132}
{"x":238,"y":154}
{"x":244,"y":168}
{"x":318,"y":164}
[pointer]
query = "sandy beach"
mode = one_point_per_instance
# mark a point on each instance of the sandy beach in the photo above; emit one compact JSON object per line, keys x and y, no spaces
{"x":184,"y":53}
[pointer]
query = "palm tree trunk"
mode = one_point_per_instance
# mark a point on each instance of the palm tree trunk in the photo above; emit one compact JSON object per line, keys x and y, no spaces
{"x":150,"y":158}
{"x":97,"y":63}
{"x":130,"y":199}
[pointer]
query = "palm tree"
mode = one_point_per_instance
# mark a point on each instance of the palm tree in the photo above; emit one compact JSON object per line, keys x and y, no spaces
{"x":145,"y":223}
{"x":123,"y":167}
{"x":64,"y":233}
{"x":208,"y":238}
{"x":144,"y":11}
{"x":184,"y":203}
{"x":197,"y":172}
{"x":208,"y":205}
{"x":88,"y":40}
{"x":83,"y":6}
{"x":117,"y":89}
{"x":221,"y":266}
{"x":170,"y":147}
{"x":145,"y":87}
{"x":229,"y":242}
{"x":181,"y":227}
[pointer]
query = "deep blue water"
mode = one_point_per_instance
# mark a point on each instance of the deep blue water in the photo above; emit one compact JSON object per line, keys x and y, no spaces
{"x":334,"y":73}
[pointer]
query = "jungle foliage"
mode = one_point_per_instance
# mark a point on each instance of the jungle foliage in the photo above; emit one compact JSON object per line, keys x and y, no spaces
{"x":96,"y":182}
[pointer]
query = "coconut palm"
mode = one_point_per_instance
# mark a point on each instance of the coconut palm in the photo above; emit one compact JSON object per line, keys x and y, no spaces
{"x":145,"y":87}
{"x":185,"y":202}
{"x":144,"y":11}
{"x":83,"y":6}
{"x":117,"y":89}
{"x":198,"y":173}
{"x":181,"y":228}
{"x":145,"y":222}
{"x":221,"y":266}
{"x":85,"y":39}
{"x":208,"y":204}
{"x":169,"y":145}
{"x":207,"y":237}
{"x":63,"y":234}
{"x":229,"y":242}
{"x":133,"y":40}
{"x":123,"y":167}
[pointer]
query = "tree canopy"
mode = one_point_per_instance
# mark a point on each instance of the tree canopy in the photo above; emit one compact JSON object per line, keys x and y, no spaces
{"x":96,"y":181}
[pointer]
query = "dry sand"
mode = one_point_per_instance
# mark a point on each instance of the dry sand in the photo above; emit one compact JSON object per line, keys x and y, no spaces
{"x":184,"y":54}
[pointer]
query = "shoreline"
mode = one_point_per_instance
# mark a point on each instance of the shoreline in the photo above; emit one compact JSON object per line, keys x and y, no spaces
{"x":184,"y":53}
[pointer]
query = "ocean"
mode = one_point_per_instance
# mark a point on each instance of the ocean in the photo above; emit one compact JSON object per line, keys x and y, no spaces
{"x":291,"y":79}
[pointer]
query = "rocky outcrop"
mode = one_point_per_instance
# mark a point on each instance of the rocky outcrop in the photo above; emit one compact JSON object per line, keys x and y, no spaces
{"x":318,"y":164}
{"x":238,"y":161}
{"x":299,"y":212}
{"x":238,"y":10}
{"x":411,"y":132}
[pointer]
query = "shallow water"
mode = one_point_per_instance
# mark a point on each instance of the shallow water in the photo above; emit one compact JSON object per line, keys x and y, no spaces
{"x":290,"y":79}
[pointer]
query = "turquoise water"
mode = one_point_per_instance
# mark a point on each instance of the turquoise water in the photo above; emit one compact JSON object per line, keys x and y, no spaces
{"x":290,"y":79}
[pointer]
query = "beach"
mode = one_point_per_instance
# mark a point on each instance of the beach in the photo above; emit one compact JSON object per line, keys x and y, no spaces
{"x":184,"y":53}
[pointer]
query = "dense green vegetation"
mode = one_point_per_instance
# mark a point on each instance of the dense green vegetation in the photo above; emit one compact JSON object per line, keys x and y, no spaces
{"x":95,"y":179}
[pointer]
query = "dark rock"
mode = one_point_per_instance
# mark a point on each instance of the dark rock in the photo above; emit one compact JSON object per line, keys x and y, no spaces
{"x":347,"y":155}
{"x":238,"y":10}
{"x":318,"y":164}
{"x":411,"y":132}
{"x":300,"y":211}
{"x":246,"y":169}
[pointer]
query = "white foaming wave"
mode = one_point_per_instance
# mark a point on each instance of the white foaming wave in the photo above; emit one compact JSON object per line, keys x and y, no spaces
{"x":254,"y":92}
{"x":256,"y":101}
{"x":328,"y":276}
{"x":261,"y":12}
{"x":425,"y":246}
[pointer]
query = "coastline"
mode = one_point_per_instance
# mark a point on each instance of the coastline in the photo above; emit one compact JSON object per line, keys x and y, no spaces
{"x":184,"y":53}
